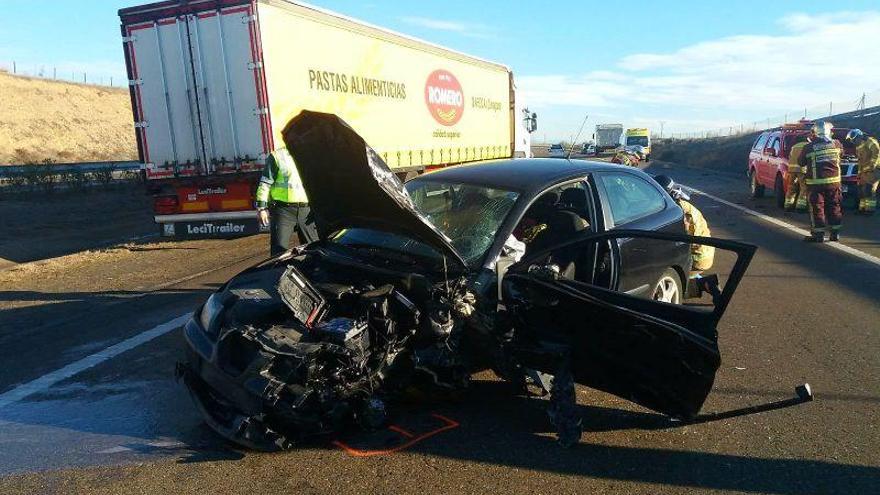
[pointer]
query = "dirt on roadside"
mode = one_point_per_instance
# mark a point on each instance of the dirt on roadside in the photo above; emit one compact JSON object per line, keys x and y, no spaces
{"x":67,"y":122}
{"x":40,"y":226}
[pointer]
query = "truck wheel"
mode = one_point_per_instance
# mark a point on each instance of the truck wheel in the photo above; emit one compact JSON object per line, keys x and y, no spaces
{"x":779,"y":192}
{"x":756,"y":189}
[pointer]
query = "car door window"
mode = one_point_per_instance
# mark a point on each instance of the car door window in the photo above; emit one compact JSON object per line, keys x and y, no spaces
{"x":759,"y":144}
{"x":774,"y":144}
{"x":556,"y":216}
{"x":630,"y":197}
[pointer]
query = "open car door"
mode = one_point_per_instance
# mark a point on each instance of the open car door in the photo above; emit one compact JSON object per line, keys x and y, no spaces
{"x":660,"y":355}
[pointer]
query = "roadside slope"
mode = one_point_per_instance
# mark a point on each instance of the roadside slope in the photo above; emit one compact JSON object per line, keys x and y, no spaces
{"x":731,"y":154}
{"x":42,"y":119}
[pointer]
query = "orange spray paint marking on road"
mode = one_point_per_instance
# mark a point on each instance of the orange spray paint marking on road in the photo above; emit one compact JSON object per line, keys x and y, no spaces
{"x":412,"y":439}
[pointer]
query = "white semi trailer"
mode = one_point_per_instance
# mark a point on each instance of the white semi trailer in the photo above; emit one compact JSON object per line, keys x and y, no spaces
{"x":213,"y":82}
{"x":607,"y":136}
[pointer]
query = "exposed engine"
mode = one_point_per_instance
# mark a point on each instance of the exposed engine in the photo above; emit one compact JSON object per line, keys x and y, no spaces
{"x":334,"y":352}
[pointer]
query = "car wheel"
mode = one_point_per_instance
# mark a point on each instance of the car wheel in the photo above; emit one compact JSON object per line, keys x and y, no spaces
{"x":668,"y":288}
{"x":757,"y":190}
{"x":779,"y":192}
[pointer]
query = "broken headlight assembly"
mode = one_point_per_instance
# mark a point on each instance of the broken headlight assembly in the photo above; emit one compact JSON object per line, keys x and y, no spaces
{"x":212,"y":310}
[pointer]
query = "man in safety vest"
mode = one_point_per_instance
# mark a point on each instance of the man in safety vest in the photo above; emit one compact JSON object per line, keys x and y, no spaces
{"x":868,"y":153}
{"x":281,"y":197}
{"x":694,"y":222}
{"x":795,"y":189}
{"x":821,"y":157}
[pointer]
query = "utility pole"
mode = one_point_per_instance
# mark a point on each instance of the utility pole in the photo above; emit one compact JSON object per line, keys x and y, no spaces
{"x":830,"y":108}
{"x":861,"y":102}
{"x":14,"y":68}
{"x":662,"y":123}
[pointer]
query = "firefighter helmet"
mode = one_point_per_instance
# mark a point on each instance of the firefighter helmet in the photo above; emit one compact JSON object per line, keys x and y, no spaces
{"x":855,"y":135}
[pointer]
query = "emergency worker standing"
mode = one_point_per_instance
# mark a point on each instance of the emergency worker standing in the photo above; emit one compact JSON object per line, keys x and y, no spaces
{"x":282,"y":198}
{"x":695,"y":223}
{"x":796,"y":190}
{"x":821,"y":157}
{"x":868,"y":153}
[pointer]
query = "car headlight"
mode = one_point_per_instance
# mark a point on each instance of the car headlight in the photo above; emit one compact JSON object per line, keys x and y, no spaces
{"x":211,"y":311}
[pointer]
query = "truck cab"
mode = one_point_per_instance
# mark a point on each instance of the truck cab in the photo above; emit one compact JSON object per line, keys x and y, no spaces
{"x":639,"y":137}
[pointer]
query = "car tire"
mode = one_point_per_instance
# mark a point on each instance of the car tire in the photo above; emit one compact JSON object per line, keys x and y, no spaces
{"x":668,"y":288}
{"x":757,"y":190}
{"x":779,"y":191}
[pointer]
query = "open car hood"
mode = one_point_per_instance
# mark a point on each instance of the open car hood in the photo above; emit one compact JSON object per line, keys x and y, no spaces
{"x":349,"y":185}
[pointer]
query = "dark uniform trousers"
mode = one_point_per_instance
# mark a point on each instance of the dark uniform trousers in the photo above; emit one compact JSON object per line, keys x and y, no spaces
{"x":287,"y":219}
{"x":825,"y":207}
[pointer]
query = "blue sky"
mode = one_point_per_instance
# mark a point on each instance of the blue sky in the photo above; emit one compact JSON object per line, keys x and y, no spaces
{"x":693,"y":64}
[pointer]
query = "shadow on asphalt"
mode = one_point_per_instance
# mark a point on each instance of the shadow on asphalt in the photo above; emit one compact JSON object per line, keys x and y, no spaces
{"x":516,"y":430}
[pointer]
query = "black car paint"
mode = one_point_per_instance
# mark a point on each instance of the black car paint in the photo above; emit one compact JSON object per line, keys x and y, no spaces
{"x":659,"y":355}
{"x":229,"y":402}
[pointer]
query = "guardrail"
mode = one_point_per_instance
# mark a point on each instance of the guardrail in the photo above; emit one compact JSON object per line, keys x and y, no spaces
{"x":61,"y":168}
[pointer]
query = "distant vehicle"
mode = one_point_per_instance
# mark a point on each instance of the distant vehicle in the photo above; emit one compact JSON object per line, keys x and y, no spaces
{"x":637,"y":150}
{"x":768,"y":161}
{"x":639,"y":137}
{"x":607,"y":136}
{"x":213,"y":83}
{"x":588,"y":149}
{"x":556,"y":151}
{"x":394,"y":294}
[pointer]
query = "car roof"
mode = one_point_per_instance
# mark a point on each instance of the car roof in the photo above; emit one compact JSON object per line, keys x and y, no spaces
{"x":520,"y":174}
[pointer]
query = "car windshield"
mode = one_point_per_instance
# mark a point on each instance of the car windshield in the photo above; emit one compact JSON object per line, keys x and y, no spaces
{"x":469,"y":215}
{"x":556,"y":147}
{"x":637,"y":140}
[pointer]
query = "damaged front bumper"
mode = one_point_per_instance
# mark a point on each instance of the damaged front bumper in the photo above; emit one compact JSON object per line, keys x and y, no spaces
{"x":231,"y":410}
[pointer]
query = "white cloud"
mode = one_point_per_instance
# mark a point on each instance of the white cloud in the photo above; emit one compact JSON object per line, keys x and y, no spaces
{"x":468,"y":29}
{"x":814,"y":59}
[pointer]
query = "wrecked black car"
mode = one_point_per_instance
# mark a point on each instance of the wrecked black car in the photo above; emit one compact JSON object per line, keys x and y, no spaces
{"x":546,"y":271}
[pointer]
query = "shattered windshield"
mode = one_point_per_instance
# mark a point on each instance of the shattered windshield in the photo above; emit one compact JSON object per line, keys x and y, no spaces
{"x":469,"y":215}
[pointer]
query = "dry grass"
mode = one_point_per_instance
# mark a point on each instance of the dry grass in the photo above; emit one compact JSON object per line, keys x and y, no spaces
{"x":42,"y":119}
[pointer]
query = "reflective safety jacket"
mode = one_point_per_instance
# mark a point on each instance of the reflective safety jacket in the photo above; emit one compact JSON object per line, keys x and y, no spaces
{"x":695,"y":223}
{"x":822,"y":161}
{"x":623,"y":159}
{"x":280,"y":181}
{"x":869,"y":155}
{"x":794,"y":157}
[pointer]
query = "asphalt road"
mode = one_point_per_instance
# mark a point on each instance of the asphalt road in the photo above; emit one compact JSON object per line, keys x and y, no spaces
{"x":804,"y":313}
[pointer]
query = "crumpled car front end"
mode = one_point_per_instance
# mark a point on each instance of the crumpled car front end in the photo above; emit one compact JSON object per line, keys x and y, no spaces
{"x":274,"y":358}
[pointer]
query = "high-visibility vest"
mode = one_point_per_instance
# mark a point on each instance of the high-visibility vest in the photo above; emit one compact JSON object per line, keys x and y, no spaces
{"x":868,"y":154}
{"x":822,"y":159}
{"x":280,"y":181}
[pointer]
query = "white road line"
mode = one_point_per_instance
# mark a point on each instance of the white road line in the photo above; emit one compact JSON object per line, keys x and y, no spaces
{"x":785,"y":225}
{"x":44,"y":382}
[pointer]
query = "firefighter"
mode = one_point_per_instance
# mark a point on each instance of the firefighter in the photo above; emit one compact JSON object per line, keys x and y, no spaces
{"x":695,"y":223}
{"x":868,"y":152}
{"x":624,"y":157}
{"x":821,"y":157}
{"x":281,"y":197}
{"x":796,"y":190}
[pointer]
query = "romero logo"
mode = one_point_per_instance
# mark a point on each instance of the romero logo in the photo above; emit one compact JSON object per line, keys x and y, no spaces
{"x":444,"y":97}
